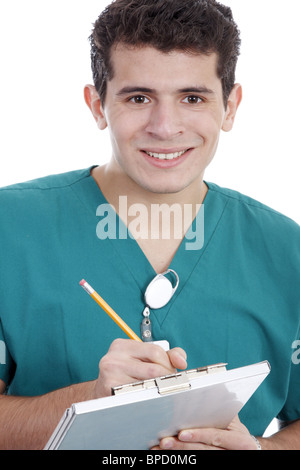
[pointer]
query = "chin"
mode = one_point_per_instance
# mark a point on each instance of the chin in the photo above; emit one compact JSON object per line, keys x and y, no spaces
{"x":164,"y":188}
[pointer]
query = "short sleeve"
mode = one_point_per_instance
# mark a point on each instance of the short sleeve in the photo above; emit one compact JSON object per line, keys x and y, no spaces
{"x":6,"y":362}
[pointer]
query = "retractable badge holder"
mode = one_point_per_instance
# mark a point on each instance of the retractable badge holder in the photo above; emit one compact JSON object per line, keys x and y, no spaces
{"x":158,"y":293}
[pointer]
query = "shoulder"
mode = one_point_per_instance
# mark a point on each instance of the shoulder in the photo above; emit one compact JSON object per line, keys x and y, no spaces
{"x":260,"y":219}
{"x":245,"y":203}
{"x":38,"y":190}
{"x":24,"y":205}
{"x":57,"y":181}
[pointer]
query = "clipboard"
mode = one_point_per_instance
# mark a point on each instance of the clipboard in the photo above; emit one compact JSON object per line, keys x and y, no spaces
{"x":138,"y":415}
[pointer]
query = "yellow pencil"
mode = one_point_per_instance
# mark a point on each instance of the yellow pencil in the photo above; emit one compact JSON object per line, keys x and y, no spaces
{"x":109,"y":310}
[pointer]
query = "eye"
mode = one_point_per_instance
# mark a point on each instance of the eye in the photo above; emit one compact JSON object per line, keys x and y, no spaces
{"x":139,"y":99}
{"x":193,"y":99}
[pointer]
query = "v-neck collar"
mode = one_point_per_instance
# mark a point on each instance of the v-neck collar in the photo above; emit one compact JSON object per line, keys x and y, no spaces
{"x":131,"y":254}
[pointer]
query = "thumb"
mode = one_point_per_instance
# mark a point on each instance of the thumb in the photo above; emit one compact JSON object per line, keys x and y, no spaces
{"x":177,"y":357}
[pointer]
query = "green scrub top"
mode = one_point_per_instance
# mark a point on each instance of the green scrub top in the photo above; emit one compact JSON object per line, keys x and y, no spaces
{"x":237,"y":300}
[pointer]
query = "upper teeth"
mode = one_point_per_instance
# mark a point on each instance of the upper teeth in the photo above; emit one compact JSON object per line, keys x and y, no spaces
{"x":166,"y":156}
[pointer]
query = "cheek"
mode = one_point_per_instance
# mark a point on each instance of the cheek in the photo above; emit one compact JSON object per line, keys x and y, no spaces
{"x":123,"y":138}
{"x":124,"y":127}
{"x":208,"y":130}
{"x":206,"y":122}
{"x":118,"y":130}
{"x":208,"y":135}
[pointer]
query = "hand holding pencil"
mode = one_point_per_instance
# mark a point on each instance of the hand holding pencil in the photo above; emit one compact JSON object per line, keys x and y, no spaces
{"x":129,"y":361}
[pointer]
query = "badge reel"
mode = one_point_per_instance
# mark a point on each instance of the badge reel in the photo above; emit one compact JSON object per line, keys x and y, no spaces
{"x":158,"y":293}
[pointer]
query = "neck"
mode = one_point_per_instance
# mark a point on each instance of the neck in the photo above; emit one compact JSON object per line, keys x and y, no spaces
{"x":158,"y":222}
{"x":115,"y":184}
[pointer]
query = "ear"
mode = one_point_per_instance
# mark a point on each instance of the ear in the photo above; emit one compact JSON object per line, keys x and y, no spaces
{"x":233,"y":103}
{"x":93,"y":101}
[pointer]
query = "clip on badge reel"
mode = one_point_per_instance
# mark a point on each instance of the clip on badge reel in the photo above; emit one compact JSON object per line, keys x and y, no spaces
{"x":158,"y":293}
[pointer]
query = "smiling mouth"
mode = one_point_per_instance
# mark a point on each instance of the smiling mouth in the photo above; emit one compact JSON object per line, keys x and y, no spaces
{"x":166,"y":156}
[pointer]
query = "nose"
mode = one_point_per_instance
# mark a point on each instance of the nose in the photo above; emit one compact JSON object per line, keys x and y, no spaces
{"x":164,"y":121}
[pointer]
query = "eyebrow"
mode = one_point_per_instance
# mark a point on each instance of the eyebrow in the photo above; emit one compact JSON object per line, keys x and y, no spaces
{"x":136,"y":89}
{"x":200,"y":90}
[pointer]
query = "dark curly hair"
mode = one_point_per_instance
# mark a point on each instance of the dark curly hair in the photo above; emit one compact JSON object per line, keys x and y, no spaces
{"x":201,"y":26}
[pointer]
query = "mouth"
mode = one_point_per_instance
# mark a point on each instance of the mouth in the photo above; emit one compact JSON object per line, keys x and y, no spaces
{"x":166,"y":156}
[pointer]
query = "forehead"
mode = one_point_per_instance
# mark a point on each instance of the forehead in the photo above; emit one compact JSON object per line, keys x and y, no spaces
{"x":150,"y":67}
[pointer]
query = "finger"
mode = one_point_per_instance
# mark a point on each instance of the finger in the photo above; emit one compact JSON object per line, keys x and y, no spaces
{"x":138,"y":360}
{"x":178,"y":358}
{"x":155,"y":354}
{"x":172,"y":443}
{"x":146,"y":352}
{"x":152,"y":353}
{"x":219,"y":438}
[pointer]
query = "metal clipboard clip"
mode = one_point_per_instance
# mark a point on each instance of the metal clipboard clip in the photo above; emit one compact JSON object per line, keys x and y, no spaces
{"x":170,"y":383}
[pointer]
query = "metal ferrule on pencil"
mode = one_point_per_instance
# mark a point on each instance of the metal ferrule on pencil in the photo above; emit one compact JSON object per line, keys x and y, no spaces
{"x":87,"y":288}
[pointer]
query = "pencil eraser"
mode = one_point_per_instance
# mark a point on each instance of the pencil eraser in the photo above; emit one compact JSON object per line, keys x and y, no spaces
{"x":82,"y":282}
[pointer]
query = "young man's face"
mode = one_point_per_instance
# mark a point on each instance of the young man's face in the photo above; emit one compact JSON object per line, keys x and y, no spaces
{"x":164,"y":113}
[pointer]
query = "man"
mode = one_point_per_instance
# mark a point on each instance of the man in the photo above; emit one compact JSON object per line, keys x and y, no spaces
{"x":164,"y":86}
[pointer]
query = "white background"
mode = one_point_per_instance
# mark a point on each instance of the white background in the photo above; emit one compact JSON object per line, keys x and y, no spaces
{"x":47,"y":128}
